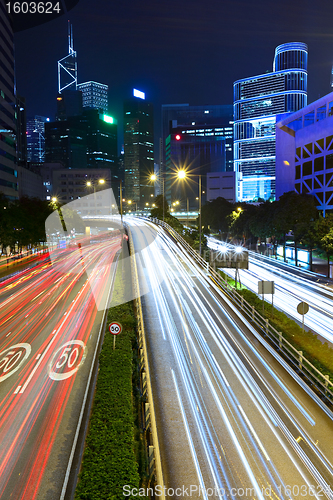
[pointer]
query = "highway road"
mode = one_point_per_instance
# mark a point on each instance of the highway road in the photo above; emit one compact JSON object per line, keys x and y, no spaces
{"x":232,"y":421}
{"x":50,"y":319}
{"x":290,"y":290}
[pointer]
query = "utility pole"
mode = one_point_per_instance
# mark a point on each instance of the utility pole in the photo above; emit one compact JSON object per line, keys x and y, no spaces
{"x":121,"y":200}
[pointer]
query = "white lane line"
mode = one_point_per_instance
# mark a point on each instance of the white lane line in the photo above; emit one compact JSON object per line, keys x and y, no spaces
{"x":8,"y":334}
{"x":255,"y":435}
{"x":76,"y":436}
{"x":38,"y":356}
{"x":43,"y":355}
{"x":189,"y":438}
{"x":17,"y":389}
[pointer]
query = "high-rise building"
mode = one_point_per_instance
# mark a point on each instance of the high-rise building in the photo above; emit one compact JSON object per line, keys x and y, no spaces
{"x":8,"y":170}
{"x":94,"y":96}
{"x":101,"y":140}
{"x":73,"y":184}
{"x":36,"y":139}
{"x":304,"y":152}
{"x":138,"y":149}
{"x":69,"y":103}
{"x":257,"y":101}
{"x":21,"y":131}
{"x":67,"y":66}
{"x":86,"y":141}
{"x":66,"y":143}
{"x":214,"y":116}
{"x":198,"y":150}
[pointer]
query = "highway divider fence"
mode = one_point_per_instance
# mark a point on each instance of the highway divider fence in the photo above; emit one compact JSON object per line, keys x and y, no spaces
{"x":300,"y":363}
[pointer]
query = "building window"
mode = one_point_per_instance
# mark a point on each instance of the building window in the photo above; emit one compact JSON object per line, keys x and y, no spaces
{"x":319,"y":164}
{"x":329,"y":162}
{"x":307,"y":168}
{"x":321,"y":113}
{"x":309,"y":119}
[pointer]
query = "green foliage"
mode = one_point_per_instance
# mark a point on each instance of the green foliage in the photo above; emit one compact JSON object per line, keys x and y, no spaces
{"x":22,"y":222}
{"x":110,"y":461}
{"x":214,"y":214}
{"x":294,"y":212}
{"x":239,"y":221}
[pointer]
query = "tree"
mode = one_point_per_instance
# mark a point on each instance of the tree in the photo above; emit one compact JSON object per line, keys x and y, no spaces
{"x":261,"y":223}
{"x":239,"y":221}
{"x":294,"y":212}
{"x":323,"y":234}
{"x":158,"y":210}
{"x":214,"y":214}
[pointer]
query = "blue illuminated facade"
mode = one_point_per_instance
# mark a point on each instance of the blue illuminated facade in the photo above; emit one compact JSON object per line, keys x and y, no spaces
{"x":304,"y":152}
{"x":257,"y":102}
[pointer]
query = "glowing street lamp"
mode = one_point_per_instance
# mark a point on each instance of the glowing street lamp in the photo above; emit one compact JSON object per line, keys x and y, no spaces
{"x":182,"y":175}
{"x":153,"y":178}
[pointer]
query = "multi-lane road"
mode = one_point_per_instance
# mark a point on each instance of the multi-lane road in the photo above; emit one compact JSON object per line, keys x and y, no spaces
{"x":233,"y":422}
{"x":290,"y":289}
{"x":50,"y":319}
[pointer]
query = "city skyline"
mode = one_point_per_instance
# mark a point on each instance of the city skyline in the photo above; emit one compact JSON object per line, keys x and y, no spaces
{"x":175,"y":54}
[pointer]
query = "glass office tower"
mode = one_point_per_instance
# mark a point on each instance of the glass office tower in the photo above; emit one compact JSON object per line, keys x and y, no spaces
{"x":36,"y":139}
{"x":257,"y":101}
{"x":94,"y":95}
{"x":138,"y":150}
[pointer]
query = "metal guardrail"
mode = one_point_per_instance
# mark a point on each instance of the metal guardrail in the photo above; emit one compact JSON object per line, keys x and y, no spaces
{"x":295,"y":357}
{"x":154,"y":456}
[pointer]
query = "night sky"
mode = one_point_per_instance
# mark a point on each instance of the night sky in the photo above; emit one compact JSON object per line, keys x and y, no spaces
{"x":176,"y":51}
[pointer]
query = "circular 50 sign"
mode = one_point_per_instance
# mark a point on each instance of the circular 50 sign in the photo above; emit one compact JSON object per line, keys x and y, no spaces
{"x":115,"y":328}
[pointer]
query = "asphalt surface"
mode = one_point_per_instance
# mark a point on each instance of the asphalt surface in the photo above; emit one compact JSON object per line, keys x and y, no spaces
{"x":50,"y":319}
{"x":231,"y":419}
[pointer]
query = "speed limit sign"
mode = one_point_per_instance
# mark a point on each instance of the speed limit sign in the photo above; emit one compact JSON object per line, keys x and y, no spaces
{"x":115,"y":328}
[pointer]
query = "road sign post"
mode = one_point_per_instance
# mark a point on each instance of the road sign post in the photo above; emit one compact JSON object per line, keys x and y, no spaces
{"x":115,"y":328}
{"x":303,"y":308}
{"x":266,"y":287}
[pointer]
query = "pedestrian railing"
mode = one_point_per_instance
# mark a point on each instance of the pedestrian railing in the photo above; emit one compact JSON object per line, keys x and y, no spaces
{"x":296,"y":358}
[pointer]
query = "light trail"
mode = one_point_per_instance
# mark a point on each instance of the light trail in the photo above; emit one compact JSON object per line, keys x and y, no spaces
{"x":290,"y":290}
{"x":53,"y":309}
{"x":242,"y":414}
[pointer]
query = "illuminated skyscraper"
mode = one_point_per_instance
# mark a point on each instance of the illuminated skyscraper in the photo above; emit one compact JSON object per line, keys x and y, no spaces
{"x":257,"y":101}
{"x":36,"y":139}
{"x":94,"y":96}
{"x":138,"y":149}
{"x":67,"y":66}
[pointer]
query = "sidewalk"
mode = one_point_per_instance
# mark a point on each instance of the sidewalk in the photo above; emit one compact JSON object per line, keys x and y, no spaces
{"x":9,"y":264}
{"x":319,"y":266}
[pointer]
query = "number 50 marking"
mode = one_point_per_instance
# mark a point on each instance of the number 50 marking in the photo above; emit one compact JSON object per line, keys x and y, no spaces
{"x":67,"y":360}
{"x":12,"y":358}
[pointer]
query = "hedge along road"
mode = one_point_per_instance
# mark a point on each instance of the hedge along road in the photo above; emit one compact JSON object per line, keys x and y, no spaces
{"x":49,"y":330}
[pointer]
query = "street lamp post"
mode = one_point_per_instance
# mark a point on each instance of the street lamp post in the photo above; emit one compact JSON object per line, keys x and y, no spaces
{"x":182,"y":175}
{"x":154,"y":178}
{"x":93,"y":184}
{"x":121,"y":200}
